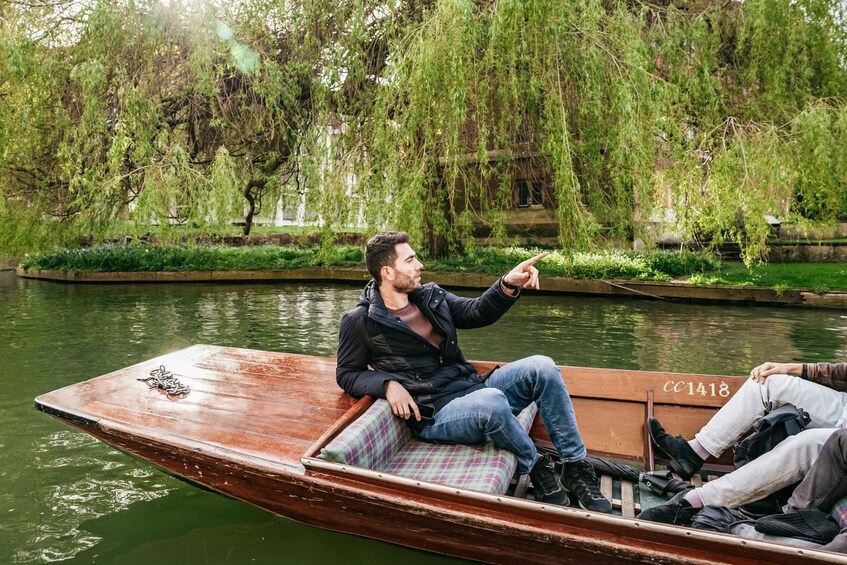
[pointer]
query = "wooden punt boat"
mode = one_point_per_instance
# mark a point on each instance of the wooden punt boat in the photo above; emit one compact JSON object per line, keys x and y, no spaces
{"x":254,"y":423}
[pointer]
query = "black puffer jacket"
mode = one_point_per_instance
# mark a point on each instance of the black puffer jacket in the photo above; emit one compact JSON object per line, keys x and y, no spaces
{"x":370,"y":336}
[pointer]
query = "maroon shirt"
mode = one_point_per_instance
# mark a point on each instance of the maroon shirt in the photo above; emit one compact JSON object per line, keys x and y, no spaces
{"x":412,"y":316}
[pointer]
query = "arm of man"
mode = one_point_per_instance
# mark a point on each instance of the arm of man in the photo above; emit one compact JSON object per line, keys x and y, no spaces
{"x":351,"y":370}
{"x":471,"y":313}
{"x":524,"y":275}
{"x":402,"y":403}
{"x":353,"y":375}
{"x":833,"y":375}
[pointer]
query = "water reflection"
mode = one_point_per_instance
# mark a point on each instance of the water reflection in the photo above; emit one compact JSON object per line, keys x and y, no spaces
{"x":641,"y":334}
{"x":63,"y":494}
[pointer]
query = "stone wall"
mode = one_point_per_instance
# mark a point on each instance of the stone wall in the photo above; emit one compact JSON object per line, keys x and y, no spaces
{"x":808,"y":253}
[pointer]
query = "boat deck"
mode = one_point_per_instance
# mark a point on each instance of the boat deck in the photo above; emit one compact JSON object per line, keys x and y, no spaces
{"x":270,"y":407}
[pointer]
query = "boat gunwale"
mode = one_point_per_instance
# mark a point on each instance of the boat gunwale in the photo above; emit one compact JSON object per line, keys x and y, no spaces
{"x":462,"y":495}
{"x":433,"y":497}
{"x":84,"y":421}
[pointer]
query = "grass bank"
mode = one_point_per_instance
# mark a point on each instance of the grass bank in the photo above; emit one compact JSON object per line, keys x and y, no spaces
{"x":817,"y":277}
{"x":654,"y":266}
{"x":139,"y":257}
{"x":684,"y":266}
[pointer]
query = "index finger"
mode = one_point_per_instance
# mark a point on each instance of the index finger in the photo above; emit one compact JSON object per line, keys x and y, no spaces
{"x":532,"y":261}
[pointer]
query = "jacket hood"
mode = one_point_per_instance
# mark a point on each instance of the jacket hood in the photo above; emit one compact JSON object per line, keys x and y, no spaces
{"x":369,"y":295}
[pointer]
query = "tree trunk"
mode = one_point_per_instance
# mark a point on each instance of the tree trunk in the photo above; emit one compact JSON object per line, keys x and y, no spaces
{"x":251,"y":202}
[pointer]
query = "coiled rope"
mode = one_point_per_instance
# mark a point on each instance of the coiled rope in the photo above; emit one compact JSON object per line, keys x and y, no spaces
{"x":163,"y":379}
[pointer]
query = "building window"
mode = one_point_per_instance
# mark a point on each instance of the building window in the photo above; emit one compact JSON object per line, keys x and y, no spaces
{"x":529,"y":194}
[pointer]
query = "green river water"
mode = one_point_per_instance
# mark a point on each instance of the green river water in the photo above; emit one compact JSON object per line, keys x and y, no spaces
{"x":66,"y":497}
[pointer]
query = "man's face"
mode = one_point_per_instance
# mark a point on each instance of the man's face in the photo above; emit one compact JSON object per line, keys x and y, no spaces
{"x":405,"y":275}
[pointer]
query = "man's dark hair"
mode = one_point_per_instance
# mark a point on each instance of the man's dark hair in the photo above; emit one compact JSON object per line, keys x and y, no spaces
{"x":381,"y":251}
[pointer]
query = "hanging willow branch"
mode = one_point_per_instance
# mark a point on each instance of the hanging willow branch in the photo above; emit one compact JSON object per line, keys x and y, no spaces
{"x":419,"y":115}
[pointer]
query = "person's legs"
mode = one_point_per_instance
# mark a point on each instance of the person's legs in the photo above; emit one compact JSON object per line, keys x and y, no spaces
{"x":753,"y":400}
{"x":784,"y":465}
{"x":538,"y":379}
{"x":826,"y":482}
{"x":482,"y":414}
{"x":487,"y":414}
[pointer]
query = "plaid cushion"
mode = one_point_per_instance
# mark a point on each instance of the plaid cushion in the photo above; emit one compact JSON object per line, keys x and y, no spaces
{"x":380,"y":441}
{"x":482,"y":467}
{"x":371,"y":441}
{"x":839,"y":512}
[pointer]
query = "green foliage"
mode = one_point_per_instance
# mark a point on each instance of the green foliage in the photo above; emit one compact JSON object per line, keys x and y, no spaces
{"x":567,"y":88}
{"x":23,"y":230}
{"x":727,"y":193}
{"x":792,"y":53}
{"x":420,"y":115}
{"x":655,"y":266}
{"x":818,"y":277}
{"x":140,"y":257}
{"x":818,"y":141}
{"x":697,"y":268}
{"x":151,"y":258}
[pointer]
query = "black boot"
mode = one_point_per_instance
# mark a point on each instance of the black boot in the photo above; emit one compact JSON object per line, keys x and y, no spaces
{"x":684,"y":460}
{"x":579,"y":478}
{"x":677,"y":511}
{"x":546,"y":483}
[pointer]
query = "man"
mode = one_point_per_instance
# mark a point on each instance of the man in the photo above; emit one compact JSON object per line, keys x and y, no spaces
{"x":400,"y":344}
{"x":825,"y":485}
{"x":818,"y":388}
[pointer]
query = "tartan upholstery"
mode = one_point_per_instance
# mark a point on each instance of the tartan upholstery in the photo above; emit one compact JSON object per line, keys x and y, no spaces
{"x":839,"y":512}
{"x":371,"y":441}
{"x":380,"y":441}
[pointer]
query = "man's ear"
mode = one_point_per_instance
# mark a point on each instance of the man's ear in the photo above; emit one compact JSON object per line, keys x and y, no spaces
{"x":387,"y":273}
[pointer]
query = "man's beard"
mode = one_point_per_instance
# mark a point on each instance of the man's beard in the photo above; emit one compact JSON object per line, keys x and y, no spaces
{"x":404,"y":283}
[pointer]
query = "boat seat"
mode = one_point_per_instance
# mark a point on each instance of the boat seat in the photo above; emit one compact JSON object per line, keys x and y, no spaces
{"x":380,"y":441}
{"x":839,"y":512}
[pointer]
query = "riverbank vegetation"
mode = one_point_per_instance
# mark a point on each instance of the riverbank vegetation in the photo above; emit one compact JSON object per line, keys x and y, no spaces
{"x":817,"y":277}
{"x":683,"y":266}
{"x":414,"y":114}
{"x":139,"y":257}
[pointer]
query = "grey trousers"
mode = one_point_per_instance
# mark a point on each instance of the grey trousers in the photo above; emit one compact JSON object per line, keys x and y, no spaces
{"x":825,"y":484}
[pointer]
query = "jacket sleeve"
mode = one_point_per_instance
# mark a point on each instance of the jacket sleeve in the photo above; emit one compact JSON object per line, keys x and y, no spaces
{"x":469,"y":313}
{"x":832,"y":375}
{"x":351,"y":370}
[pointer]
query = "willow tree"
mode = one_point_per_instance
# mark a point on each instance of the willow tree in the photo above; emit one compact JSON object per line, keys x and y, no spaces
{"x":141,"y":111}
{"x":761,"y":94}
{"x":744,"y":100}
{"x":138,"y":110}
{"x":573,"y":81}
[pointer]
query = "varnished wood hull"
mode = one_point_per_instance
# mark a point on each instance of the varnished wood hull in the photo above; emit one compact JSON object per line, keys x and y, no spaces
{"x":263,"y":467}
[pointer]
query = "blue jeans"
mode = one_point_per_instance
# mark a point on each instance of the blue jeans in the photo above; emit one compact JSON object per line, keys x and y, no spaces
{"x":489,"y":413}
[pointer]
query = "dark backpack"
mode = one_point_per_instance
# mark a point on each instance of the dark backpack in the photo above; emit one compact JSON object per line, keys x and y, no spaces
{"x":772,"y":428}
{"x":775,"y":426}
